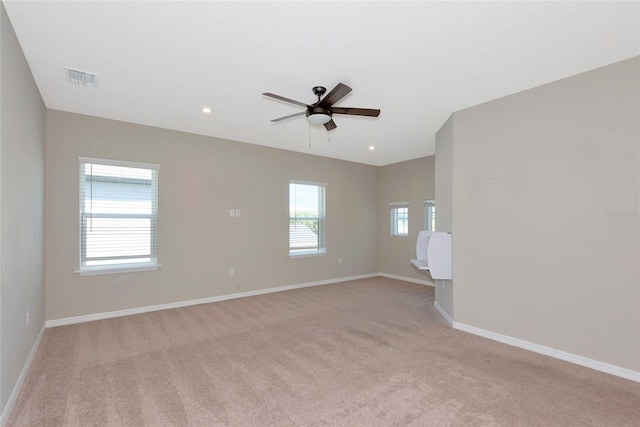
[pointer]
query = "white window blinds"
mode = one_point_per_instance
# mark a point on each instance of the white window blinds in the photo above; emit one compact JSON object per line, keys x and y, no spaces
{"x":307,"y":218}
{"x":118,"y":214}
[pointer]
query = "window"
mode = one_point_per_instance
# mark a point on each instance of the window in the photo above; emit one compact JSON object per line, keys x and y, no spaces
{"x":307,"y":218}
{"x":118,"y":216}
{"x":430,"y":215}
{"x":399,"y":218}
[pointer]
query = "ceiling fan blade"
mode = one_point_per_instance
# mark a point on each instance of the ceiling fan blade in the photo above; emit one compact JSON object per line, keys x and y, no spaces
{"x":356,"y":111}
{"x":330,"y":125}
{"x":290,"y":116}
{"x":338,"y":92}
{"x":282,"y":98}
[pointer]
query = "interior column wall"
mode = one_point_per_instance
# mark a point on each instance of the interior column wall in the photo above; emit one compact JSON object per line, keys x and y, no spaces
{"x":546,"y":201}
{"x":444,"y":206}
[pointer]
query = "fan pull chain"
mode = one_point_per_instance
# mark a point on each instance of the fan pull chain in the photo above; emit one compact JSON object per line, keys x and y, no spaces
{"x":309,"y":124}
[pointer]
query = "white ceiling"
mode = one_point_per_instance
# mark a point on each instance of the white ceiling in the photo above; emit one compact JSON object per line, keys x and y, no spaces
{"x":159,"y":63}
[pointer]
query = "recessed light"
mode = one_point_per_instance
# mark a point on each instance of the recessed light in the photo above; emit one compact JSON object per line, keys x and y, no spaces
{"x":206,"y":110}
{"x":372,"y":148}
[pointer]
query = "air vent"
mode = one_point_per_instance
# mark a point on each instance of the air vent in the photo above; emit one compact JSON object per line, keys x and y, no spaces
{"x":82,"y":78}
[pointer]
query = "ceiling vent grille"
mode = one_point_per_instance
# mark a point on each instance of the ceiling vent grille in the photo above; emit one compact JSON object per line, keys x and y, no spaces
{"x":82,"y":78}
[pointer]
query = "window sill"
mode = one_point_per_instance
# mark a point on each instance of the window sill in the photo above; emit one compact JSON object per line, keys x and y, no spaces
{"x":92,"y":271}
{"x":307,"y":254}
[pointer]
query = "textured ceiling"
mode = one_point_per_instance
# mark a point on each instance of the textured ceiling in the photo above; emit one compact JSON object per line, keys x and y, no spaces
{"x":159,"y":63}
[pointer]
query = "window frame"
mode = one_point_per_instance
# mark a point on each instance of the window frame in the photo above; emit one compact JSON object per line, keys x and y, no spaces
{"x":321,"y":248}
{"x":394,"y":220}
{"x":153,"y":263}
{"x":430,"y":215}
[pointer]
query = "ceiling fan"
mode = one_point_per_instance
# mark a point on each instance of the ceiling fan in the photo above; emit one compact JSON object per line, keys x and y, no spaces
{"x":322,"y":111}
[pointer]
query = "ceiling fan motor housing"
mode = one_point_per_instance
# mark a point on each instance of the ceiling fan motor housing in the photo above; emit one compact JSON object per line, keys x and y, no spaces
{"x":318,"y":110}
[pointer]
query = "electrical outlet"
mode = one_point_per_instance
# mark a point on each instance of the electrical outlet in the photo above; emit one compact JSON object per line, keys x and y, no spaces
{"x":232,"y":212}
{"x":27,"y":317}
{"x":339,"y":260}
{"x":232,"y":271}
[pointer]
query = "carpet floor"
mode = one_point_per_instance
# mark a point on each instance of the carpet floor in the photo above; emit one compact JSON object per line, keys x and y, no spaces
{"x":371,"y":352}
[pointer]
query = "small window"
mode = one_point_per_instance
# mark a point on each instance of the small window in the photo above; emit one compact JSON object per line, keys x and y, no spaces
{"x":430,"y":215}
{"x":399,"y":218}
{"x":118,"y":216}
{"x":307,"y":218}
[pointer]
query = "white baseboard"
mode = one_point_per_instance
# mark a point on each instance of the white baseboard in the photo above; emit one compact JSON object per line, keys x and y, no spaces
{"x":149,"y":308}
{"x":548,"y":351}
{"x":23,"y":375}
{"x":443,"y":312}
{"x":407,"y":279}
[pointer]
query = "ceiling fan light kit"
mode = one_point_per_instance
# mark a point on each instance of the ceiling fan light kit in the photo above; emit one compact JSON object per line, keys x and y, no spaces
{"x":318,"y":118}
{"x":322,"y":111}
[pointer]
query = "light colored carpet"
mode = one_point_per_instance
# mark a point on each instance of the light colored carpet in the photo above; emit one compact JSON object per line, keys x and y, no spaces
{"x":371,"y":352}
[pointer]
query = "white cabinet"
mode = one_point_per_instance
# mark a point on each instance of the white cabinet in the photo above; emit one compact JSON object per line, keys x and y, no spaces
{"x":433,"y":253}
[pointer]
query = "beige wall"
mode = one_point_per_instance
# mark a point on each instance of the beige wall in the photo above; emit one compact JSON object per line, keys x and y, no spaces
{"x":444,"y":205}
{"x":536,"y":256}
{"x":22,"y":135}
{"x":200,"y":179}
{"x":411,"y":181}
